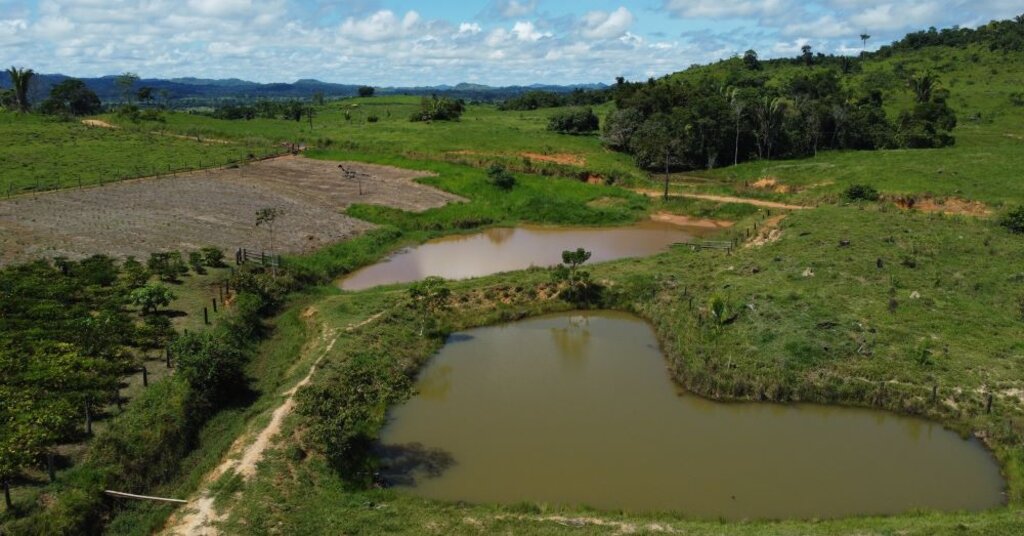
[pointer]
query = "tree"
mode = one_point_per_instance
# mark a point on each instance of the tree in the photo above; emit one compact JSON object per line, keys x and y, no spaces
{"x":151,"y":297}
{"x":366,"y":91}
{"x":864,"y":38}
{"x":807,"y":55}
{"x":436,"y":108}
{"x":1013,"y":220}
{"x":768,"y":114}
{"x":923,"y":86}
{"x":211,"y":363}
{"x":429,"y":298}
{"x":267,"y":217}
{"x":751,"y":60}
{"x":126,"y":82}
{"x":310,"y":112}
{"x":145,"y":94}
{"x":659,"y":145}
{"x":576,"y":282}
{"x":737,"y":106}
{"x":20,"y":80}
{"x":575,"y":121}
{"x":72,"y":98}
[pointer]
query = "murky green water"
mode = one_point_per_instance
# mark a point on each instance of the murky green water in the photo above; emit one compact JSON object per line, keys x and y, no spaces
{"x":506,"y":249}
{"x":579,"y":409}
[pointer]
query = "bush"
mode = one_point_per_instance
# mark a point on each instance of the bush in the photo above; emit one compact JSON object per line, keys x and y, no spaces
{"x":439,"y":109}
{"x":195,"y":261}
{"x":500,"y":177}
{"x":151,"y":297}
{"x":167,"y":265}
{"x":861,"y":192}
{"x":576,"y":121}
{"x":372,"y":119}
{"x":1013,"y":220}
{"x":212,"y":256}
{"x":211,"y":363}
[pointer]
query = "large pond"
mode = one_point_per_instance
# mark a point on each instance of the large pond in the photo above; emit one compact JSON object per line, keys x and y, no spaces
{"x":506,"y":249}
{"x":579,"y":409}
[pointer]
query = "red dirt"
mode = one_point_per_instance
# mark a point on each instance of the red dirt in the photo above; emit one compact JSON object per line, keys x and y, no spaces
{"x":565,"y":159}
{"x":949,"y":205}
{"x":689,"y":221}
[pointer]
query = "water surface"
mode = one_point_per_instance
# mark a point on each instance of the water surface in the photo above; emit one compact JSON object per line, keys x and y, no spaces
{"x":505,"y":249}
{"x":579,"y":409}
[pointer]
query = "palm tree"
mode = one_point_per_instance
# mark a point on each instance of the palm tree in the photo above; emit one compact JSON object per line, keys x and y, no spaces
{"x":738,"y":106}
{"x":924,"y":86}
{"x":20,"y":79}
{"x":769,"y":113}
{"x":864,"y":37}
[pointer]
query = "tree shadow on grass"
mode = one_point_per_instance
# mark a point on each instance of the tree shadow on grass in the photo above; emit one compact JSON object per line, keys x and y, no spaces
{"x":403,"y":465}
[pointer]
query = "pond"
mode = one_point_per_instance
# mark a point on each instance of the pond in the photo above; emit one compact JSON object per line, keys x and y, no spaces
{"x":506,"y":249}
{"x":579,"y":409}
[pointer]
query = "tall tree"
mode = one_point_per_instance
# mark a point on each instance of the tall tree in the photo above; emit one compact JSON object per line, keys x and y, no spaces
{"x":737,"y":106}
{"x":924,"y":86}
{"x":72,"y":97}
{"x":126,"y":82}
{"x":20,"y":80}
{"x":864,"y":38}
{"x":807,"y":55}
{"x":769,"y":113}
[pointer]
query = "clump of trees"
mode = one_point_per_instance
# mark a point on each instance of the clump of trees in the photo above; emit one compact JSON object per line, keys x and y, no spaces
{"x":71,"y":98}
{"x":534,"y":100}
{"x":366,"y":91}
{"x":702,"y":123}
{"x":574,"y":121}
{"x":861,"y":192}
{"x":436,"y":108}
{"x":17,"y":99}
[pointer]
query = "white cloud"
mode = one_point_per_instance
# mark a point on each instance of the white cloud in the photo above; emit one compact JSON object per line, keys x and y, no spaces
{"x":511,"y":9}
{"x":526,"y":31}
{"x":218,"y":8}
{"x":892,"y":16}
{"x":717,"y":9}
{"x":469,"y":28}
{"x":826,"y":26}
{"x":379,"y":26}
{"x":602,"y":25}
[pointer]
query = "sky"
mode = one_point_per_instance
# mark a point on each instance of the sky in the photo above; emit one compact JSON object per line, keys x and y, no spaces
{"x":421,"y":42}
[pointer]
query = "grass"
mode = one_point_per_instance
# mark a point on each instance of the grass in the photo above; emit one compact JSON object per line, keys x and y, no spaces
{"x":52,"y":154}
{"x":833,"y":337}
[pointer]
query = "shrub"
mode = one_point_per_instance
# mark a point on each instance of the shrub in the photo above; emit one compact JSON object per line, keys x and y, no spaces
{"x":439,"y":109}
{"x":1013,"y":220}
{"x":372,"y":119}
{"x":195,"y":260}
{"x":212,"y":256}
{"x":861,"y":192}
{"x":167,"y":265}
{"x":575,"y":121}
{"x":151,"y":297}
{"x":211,"y":364}
{"x":500,"y":177}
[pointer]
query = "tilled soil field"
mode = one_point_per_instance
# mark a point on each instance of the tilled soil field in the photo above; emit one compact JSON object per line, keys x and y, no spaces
{"x":216,"y":207}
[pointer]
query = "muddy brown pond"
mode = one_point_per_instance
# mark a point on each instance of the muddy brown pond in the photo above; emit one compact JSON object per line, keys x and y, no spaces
{"x":506,"y":249}
{"x":579,"y":409}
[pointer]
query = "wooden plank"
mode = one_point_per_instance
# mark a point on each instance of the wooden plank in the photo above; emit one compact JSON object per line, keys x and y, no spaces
{"x":122,"y":495}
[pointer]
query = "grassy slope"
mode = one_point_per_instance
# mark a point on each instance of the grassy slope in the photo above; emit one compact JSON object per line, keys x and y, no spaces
{"x":984,"y":165}
{"x":800,"y":342}
{"x":52,"y":154}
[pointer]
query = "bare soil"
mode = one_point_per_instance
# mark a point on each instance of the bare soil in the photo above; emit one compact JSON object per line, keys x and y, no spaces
{"x":690,"y":221}
{"x":949,"y":205}
{"x":565,"y":159}
{"x":203,"y":208}
{"x":723,"y":199}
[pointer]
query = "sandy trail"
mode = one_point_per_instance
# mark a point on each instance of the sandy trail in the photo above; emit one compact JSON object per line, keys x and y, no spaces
{"x":725,"y":199}
{"x":201,"y":515}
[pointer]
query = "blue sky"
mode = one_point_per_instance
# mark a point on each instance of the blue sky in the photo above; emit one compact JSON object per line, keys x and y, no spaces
{"x":410,"y":42}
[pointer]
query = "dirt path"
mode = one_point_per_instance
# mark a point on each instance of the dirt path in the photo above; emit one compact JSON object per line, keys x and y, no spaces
{"x":97,"y":123}
{"x":725,"y":199}
{"x":201,"y":515}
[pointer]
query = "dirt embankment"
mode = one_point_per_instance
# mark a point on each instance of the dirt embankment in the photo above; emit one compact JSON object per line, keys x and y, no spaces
{"x":212,"y":207}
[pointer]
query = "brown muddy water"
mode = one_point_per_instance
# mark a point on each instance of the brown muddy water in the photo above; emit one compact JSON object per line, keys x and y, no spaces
{"x":579,"y":409}
{"x":506,"y":249}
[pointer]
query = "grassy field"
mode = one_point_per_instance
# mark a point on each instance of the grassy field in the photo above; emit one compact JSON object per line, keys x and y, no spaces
{"x":52,"y":154}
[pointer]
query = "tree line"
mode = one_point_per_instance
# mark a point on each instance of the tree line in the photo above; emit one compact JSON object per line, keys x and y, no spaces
{"x":705,"y":121}
{"x":534,"y":100}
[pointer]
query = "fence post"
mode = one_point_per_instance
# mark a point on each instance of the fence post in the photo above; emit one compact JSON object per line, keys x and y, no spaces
{"x":988,"y":405}
{"x":145,"y":376}
{"x":206,"y":316}
{"x":214,"y":301}
{"x":168,"y":356}
{"x":88,"y":417}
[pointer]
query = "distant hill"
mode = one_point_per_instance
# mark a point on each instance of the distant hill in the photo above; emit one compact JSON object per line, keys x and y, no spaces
{"x":188,"y":91}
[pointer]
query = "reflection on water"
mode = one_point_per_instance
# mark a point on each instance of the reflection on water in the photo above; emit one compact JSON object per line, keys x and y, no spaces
{"x":579,"y":409}
{"x":506,"y":249}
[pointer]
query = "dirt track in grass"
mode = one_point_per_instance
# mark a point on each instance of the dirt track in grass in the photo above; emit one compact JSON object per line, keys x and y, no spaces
{"x":212,"y":207}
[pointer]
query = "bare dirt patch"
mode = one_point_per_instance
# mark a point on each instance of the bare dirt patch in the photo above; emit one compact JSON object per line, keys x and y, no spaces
{"x":97,"y":123}
{"x":767,"y":233}
{"x":213,"y":207}
{"x":689,"y":221}
{"x":565,"y":159}
{"x":772,"y":184}
{"x":724,"y":199}
{"x":949,"y":205}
